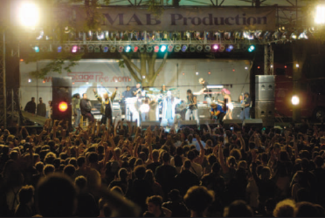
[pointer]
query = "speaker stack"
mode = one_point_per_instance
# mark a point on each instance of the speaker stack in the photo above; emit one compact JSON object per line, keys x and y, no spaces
{"x":265,"y":99}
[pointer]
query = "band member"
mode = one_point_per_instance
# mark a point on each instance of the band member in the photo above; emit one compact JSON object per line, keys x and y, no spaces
{"x":106,"y":107}
{"x":226,"y":95}
{"x":168,"y":113}
{"x":207,"y":97}
{"x":127,"y":93}
{"x":163,"y":90}
{"x":218,"y":112}
{"x":154,"y":110}
{"x":85,"y":107}
{"x":192,"y":106}
{"x":143,"y":105}
{"x":137,"y":89}
{"x":246,"y":107}
{"x":76,"y":109}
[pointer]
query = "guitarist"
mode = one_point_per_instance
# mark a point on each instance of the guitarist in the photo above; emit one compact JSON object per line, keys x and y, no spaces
{"x":207,"y":97}
{"x":192,"y":106}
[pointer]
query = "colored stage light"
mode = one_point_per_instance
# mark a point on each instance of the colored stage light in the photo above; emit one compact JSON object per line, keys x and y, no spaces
{"x":163,"y":48}
{"x":251,"y":48}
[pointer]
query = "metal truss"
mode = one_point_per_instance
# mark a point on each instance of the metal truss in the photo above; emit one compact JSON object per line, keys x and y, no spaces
{"x":268,"y":60}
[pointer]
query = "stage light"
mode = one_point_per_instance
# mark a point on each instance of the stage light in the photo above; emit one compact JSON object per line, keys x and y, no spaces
{"x":184,"y":48}
{"x":229,"y":48}
{"x":170,"y":48}
{"x":320,"y":14}
{"x":197,"y":73}
{"x":215,"y":47}
{"x":222,"y":48}
{"x":295,"y":100}
{"x":246,"y":68}
{"x":81,"y":49}
{"x":63,"y":106}
{"x":142,"y":49}
{"x":36,"y":49}
{"x":163,"y":48}
{"x":97,"y":49}
{"x":29,"y":14}
{"x":177,"y":48}
{"x":199,"y":48}
{"x":90,"y":48}
{"x":149,"y":48}
{"x":207,"y":48}
{"x":59,"y":49}
{"x":192,"y":48}
{"x":251,"y":48}
{"x":120,"y":49}
{"x":294,"y":35}
{"x":303,"y":35}
{"x":67,"y":48}
{"x":135,"y":48}
{"x":29,"y":80}
{"x":297,"y":65}
{"x":74,"y":49}
{"x":105,"y":48}
{"x":156,"y":48}
{"x":214,"y":86}
{"x":128,"y":48}
{"x":112,"y":48}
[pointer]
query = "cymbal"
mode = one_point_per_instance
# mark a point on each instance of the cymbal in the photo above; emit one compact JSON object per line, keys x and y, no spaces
{"x":172,"y":89}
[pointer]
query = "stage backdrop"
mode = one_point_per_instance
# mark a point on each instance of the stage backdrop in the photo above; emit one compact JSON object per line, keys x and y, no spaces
{"x":104,"y":75}
{"x":184,"y":19}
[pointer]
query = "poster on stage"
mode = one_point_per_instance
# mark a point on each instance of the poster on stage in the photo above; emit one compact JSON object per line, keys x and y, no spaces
{"x":184,"y":19}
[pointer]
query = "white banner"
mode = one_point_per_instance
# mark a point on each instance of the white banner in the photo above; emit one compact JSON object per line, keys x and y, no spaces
{"x":184,"y":19}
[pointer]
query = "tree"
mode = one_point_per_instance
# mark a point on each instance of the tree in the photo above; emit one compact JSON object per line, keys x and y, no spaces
{"x":146,"y":74}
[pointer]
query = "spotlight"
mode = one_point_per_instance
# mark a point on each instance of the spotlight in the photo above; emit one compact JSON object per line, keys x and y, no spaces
{"x":149,"y":48}
{"x":135,"y":48}
{"x":177,"y":48}
{"x":222,"y":48}
{"x":294,"y":35}
{"x":295,"y":100}
{"x":251,"y":48}
{"x":127,"y":48}
{"x":97,"y":49}
{"x":120,"y":49}
{"x":105,"y":48}
{"x":320,"y":15}
{"x":170,"y":48}
{"x":207,"y":48}
{"x":215,"y":47}
{"x":156,"y":48}
{"x":163,"y":48}
{"x":59,"y":49}
{"x":142,"y":49}
{"x":81,"y":49}
{"x":29,"y":14}
{"x":29,"y":80}
{"x":74,"y":49}
{"x":303,"y":35}
{"x":113,"y":48}
{"x":184,"y":48}
{"x":199,"y":48}
{"x":230,"y":48}
{"x":36,"y":49}
{"x":192,"y":48}
{"x":66,"y":48}
{"x":90,"y":48}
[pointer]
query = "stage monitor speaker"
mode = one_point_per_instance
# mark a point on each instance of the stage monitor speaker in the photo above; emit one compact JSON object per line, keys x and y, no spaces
{"x":236,"y":111}
{"x":204,"y":112}
{"x":187,"y":123}
{"x":264,"y":88}
{"x":211,"y":123}
{"x":255,"y":124}
{"x":146,"y":124}
{"x":265,"y":110}
{"x":61,"y":99}
{"x":236,"y":123}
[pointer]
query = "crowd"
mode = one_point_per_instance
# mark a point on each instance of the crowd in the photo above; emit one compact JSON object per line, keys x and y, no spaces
{"x":123,"y":170}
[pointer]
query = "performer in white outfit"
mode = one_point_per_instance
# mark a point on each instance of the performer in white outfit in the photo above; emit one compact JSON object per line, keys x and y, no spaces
{"x":168,"y":113}
{"x":226,"y":95}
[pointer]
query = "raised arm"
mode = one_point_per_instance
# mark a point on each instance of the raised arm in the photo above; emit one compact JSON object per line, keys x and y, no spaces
{"x":97,"y":96}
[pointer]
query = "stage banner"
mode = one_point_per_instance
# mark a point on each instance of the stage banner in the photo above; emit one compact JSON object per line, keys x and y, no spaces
{"x":184,"y":19}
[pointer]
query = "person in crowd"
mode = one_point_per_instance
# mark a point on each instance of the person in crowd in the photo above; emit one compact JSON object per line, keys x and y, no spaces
{"x":41,"y":108}
{"x":218,"y":112}
{"x":76,"y":109}
{"x":245,"y":113}
{"x":155,"y":207}
{"x":192,"y":106}
{"x":26,"y":202}
{"x":49,"y":110}
{"x":198,"y":199}
{"x":85,"y":108}
{"x":106,"y":107}
{"x":31,"y":106}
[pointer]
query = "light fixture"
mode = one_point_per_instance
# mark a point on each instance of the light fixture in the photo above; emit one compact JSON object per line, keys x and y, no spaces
{"x":207,"y":48}
{"x":67,"y":48}
{"x":142,"y":49}
{"x":222,"y":48}
{"x":215,"y":47}
{"x":29,"y":14}
{"x":294,"y":35}
{"x":90,"y":48}
{"x":170,"y":48}
{"x":127,"y":48}
{"x":59,"y":49}
{"x":36,"y":49}
{"x":97,"y":49}
{"x":156,"y":48}
{"x":199,"y":48}
{"x":192,"y":48}
{"x":177,"y":48}
{"x":320,"y":14}
{"x":74,"y":49}
{"x":251,"y":48}
{"x":112,"y":49}
{"x":135,"y":48}
{"x":120,"y":49}
{"x":63,"y":106}
{"x":184,"y":48}
{"x":197,"y":73}
{"x":297,"y":65}
{"x":163,"y":48}
{"x":149,"y":48}
{"x":81,"y":49}
{"x":303,"y":35}
{"x":29,"y":80}
{"x":105,"y":48}
{"x":295,"y":100}
{"x":229,"y":48}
